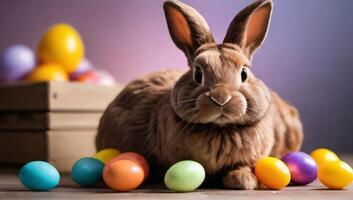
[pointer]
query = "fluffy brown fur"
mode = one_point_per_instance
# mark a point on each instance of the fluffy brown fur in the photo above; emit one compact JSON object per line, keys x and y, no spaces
{"x":225,"y":120}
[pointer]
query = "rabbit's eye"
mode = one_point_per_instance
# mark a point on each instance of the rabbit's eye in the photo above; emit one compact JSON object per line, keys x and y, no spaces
{"x":198,"y":75}
{"x":244,"y":74}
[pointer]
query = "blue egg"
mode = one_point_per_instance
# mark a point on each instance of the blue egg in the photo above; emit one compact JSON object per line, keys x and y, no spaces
{"x":87,"y":172}
{"x":16,"y":61}
{"x":39,"y":175}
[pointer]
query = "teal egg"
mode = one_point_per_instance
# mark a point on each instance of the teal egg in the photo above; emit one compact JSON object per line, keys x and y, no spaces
{"x":184,"y":176}
{"x":39,"y":175}
{"x":87,"y":172}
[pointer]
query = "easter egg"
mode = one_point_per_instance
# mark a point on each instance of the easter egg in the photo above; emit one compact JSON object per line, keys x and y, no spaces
{"x":135,"y":157}
{"x":184,"y":176}
{"x":84,"y":66}
{"x":87,"y":172}
{"x":105,"y":78}
{"x":39,"y":175}
{"x":105,"y":155}
{"x":15,"y":62}
{"x":123,"y":175}
{"x":99,"y":77}
{"x":48,"y":72}
{"x":335,"y":175}
{"x":272,"y":172}
{"x":61,"y":44}
{"x":323,"y":155}
{"x":302,"y":167}
{"x":90,"y":76}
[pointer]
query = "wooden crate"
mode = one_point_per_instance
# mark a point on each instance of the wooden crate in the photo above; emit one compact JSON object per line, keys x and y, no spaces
{"x":61,"y":148}
{"x":51,"y":121}
{"x":56,"y":96}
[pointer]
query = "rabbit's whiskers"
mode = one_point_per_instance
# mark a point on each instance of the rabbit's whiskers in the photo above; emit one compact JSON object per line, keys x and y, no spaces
{"x":179,"y":136}
{"x":187,"y":124}
{"x":189,"y":111}
{"x":184,"y":101}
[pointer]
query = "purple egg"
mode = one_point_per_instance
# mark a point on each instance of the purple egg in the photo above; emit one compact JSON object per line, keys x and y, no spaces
{"x":302,"y":167}
{"x":84,"y":66}
{"x":15,"y":62}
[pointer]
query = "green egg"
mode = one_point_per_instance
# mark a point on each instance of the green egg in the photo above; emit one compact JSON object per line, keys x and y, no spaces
{"x":184,"y":176}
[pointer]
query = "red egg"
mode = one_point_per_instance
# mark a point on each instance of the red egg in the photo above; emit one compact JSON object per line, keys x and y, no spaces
{"x":135,"y":157}
{"x":88,"y":77}
{"x":123,"y":175}
{"x":99,"y":77}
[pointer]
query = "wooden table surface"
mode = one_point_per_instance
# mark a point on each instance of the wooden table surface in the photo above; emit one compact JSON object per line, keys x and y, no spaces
{"x":11,"y":188}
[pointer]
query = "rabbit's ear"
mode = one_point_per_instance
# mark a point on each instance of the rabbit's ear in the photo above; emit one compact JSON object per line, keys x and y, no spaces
{"x":249,"y":27}
{"x":187,"y":27}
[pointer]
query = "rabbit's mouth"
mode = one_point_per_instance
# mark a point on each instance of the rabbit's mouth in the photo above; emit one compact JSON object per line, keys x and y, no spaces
{"x":225,"y":118}
{"x":229,"y":113}
{"x":222,"y":120}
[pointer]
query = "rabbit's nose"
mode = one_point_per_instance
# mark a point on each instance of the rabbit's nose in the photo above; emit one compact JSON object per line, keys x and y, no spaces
{"x":220,"y":96}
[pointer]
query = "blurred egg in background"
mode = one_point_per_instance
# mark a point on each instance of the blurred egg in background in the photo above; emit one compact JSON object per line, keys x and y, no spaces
{"x":15,"y":62}
{"x":60,"y":56}
{"x":62,"y":44}
{"x":48,"y":72}
{"x":83,"y":67}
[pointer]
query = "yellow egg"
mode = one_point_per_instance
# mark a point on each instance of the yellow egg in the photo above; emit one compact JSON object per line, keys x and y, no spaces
{"x":335,"y":175}
{"x":106,"y":155}
{"x":272,"y":172}
{"x":61,"y":44}
{"x":322,"y":156}
{"x":48,"y":72}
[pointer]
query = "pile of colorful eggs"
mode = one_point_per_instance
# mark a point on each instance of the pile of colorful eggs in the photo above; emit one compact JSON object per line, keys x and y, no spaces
{"x":127,"y":171}
{"x":333,"y":172}
{"x":59,"y":57}
{"x":120,"y":171}
{"x":300,"y":168}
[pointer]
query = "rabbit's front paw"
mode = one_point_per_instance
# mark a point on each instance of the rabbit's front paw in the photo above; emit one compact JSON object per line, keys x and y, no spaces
{"x":240,"y":179}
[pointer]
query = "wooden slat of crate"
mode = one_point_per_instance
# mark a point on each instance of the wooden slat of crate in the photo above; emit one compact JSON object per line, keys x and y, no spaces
{"x":49,"y":120}
{"x":56,"y":96}
{"x":20,"y":147}
{"x":61,"y":148}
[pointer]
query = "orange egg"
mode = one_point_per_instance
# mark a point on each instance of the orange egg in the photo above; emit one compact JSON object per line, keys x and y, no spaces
{"x":48,"y":72}
{"x":135,"y":157}
{"x":123,"y":175}
{"x":323,"y":156}
{"x":272,"y":172}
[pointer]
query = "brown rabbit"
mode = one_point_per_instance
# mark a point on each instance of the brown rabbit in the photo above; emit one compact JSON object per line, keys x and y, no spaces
{"x":217,"y":113}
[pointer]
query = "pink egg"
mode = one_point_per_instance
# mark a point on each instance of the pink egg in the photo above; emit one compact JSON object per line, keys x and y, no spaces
{"x":105,"y":78}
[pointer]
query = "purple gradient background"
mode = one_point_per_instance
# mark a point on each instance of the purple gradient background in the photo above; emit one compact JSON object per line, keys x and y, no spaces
{"x":307,"y":57}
